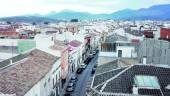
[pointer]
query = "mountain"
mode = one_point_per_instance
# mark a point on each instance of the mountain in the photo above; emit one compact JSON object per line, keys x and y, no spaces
{"x":156,"y":12}
{"x":123,"y":14}
{"x":69,"y":14}
{"x":28,"y":18}
{"x":36,"y":15}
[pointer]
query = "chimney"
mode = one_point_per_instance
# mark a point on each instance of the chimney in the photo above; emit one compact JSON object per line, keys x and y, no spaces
{"x":54,"y":38}
{"x":144,"y":60}
{"x":10,"y":61}
{"x":167,"y":37}
{"x":135,"y":90}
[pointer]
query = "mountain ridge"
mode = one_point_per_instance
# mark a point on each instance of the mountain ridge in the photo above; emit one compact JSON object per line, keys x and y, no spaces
{"x":155,"y":12}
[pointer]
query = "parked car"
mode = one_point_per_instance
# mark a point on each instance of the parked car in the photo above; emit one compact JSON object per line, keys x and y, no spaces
{"x":67,"y":94}
{"x":87,"y":61}
{"x":95,"y":66}
{"x":70,"y":84}
{"x":83,"y":66}
{"x":69,"y":89}
{"x":79,"y":70}
{"x":97,"y":51}
{"x":91,"y":55}
{"x":73,"y":79}
{"x":93,"y":70}
{"x":94,"y":52}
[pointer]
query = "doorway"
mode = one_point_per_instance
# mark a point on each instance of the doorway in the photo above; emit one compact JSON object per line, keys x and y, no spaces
{"x":119,"y":53}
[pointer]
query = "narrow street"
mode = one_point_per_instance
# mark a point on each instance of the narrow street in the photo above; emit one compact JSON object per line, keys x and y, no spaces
{"x":80,"y":89}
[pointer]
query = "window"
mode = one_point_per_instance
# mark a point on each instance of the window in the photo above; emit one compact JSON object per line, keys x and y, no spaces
{"x":56,"y":79}
{"x":48,"y":79}
{"x":59,"y":74}
{"x":53,"y":83}
{"x":45,"y":84}
{"x":108,"y":47}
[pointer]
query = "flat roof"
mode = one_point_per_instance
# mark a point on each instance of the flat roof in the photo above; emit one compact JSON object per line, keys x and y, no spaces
{"x":146,"y":81}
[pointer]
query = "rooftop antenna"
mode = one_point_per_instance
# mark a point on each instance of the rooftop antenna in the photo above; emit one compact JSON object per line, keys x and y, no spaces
{"x":65,"y":41}
{"x":11,"y":53}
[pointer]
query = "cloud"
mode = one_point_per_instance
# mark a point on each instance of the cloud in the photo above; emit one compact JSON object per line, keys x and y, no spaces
{"x":19,"y":7}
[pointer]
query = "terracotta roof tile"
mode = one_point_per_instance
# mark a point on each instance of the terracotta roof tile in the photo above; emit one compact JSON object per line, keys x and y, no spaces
{"x":9,"y":33}
{"x":19,"y":78}
{"x":58,"y":45}
{"x":75,"y":43}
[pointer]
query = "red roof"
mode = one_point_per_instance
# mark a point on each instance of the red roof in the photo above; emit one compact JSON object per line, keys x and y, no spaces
{"x":58,"y":45}
{"x":165,"y":33}
{"x":135,"y":40}
{"x":75,"y":43}
{"x":148,"y":34}
{"x":22,"y":76}
{"x":87,"y":37}
{"x":9,"y":33}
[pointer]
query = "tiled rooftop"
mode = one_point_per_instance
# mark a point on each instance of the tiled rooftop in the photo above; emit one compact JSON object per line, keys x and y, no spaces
{"x":14,"y":59}
{"x":75,"y":43}
{"x":124,"y":62}
{"x":123,"y":81}
{"x":115,"y":37}
{"x":134,"y":32}
{"x":58,"y":45}
{"x":107,"y":66}
{"x":9,"y":33}
{"x":100,"y":78}
{"x":23,"y":75}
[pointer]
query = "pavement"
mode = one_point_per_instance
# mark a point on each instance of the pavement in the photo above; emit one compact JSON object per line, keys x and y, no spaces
{"x":80,"y":89}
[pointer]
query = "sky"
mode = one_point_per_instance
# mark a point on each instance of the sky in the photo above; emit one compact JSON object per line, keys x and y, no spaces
{"x":22,"y":7}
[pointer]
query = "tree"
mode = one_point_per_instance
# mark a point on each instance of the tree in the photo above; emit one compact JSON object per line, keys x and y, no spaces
{"x":46,"y":22}
{"x":74,"y":20}
{"x":34,"y":23}
{"x":8,"y":22}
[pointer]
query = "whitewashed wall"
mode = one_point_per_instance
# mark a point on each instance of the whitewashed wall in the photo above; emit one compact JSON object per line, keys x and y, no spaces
{"x":127,"y":52}
{"x":39,"y":89}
